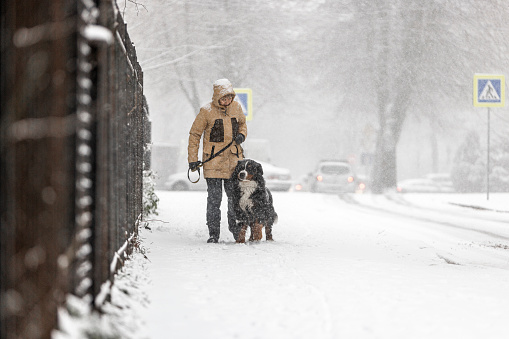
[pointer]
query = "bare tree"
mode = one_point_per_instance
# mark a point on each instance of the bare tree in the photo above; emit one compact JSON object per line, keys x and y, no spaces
{"x":367,"y":64}
{"x":201,"y":41}
{"x":410,"y":58}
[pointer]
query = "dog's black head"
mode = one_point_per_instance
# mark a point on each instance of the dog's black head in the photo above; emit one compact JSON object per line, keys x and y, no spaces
{"x":248,"y":170}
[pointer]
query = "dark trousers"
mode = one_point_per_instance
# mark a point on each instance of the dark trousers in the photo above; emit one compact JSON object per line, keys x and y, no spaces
{"x":215,"y":195}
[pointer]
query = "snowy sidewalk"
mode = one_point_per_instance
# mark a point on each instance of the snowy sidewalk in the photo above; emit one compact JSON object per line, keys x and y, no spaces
{"x":334,"y":271}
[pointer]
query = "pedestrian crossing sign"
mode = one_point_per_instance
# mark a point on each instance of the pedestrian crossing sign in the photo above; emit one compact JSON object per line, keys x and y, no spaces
{"x":489,"y":90}
{"x":244,"y":96}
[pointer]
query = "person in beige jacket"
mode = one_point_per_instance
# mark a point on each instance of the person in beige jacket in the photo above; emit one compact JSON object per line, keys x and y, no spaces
{"x":221,"y":122}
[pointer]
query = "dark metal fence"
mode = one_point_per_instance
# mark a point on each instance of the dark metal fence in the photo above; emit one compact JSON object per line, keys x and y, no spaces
{"x":74,"y":126}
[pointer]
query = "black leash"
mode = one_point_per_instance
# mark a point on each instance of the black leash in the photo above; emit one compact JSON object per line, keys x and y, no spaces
{"x":212,"y":156}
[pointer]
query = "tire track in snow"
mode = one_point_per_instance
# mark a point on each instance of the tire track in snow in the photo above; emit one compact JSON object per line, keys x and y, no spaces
{"x":440,"y":244}
{"x":402,"y":201}
{"x":352,"y":201}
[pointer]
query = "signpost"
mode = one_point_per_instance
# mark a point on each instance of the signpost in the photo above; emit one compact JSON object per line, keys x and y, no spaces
{"x":245,"y":97}
{"x":489,"y":91}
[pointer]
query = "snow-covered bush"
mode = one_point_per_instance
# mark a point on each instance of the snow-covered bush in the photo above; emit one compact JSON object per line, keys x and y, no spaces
{"x":468,"y":171}
{"x":499,"y":176}
{"x":150,"y":199}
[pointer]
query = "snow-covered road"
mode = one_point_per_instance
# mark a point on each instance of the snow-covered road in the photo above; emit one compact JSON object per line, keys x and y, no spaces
{"x":355,"y":266}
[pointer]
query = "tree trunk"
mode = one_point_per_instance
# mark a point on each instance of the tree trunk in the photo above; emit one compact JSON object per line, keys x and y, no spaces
{"x":192,"y":92}
{"x":393,"y":78}
{"x":384,"y":167}
{"x":434,"y":151}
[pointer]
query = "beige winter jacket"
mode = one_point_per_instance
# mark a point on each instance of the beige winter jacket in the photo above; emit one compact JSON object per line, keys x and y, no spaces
{"x":218,"y":125}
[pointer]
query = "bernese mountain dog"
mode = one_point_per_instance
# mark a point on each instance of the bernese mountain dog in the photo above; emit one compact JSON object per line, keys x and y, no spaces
{"x":252,"y":201}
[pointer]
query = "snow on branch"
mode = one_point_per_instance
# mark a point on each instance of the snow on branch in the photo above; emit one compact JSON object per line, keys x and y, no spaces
{"x":136,"y":3}
{"x":183,"y":57}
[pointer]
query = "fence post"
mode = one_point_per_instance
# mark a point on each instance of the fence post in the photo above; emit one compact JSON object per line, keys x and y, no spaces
{"x":71,"y":156}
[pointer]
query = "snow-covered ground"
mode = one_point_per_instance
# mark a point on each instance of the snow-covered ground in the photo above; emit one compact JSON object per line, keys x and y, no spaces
{"x":352,"y":266}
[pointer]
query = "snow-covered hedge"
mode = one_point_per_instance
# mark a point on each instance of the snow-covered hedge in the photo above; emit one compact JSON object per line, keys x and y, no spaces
{"x":150,"y":199}
{"x":468,"y":173}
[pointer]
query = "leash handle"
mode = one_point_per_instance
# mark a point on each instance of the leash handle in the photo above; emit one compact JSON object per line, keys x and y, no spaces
{"x":212,"y":156}
{"x":197,"y":169}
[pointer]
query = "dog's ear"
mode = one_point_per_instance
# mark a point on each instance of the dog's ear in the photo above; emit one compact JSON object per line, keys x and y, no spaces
{"x":259,"y":168}
{"x":237,"y":169}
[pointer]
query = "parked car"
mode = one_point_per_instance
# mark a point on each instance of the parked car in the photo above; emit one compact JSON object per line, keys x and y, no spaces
{"x":301,"y":184}
{"x":333,"y":176}
{"x":361,"y":182}
{"x":443,"y":180}
{"x":305,"y":182}
{"x":179,"y":182}
{"x":276,"y":179}
{"x":431,"y":183}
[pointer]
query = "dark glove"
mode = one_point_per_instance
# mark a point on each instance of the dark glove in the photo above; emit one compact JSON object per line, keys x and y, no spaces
{"x":193,"y":166}
{"x":240,"y":138}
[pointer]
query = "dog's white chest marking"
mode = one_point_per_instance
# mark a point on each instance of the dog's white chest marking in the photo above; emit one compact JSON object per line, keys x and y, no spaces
{"x":246,"y":189}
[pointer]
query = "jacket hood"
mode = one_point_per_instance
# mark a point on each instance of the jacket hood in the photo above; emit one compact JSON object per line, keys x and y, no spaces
{"x":222,"y":87}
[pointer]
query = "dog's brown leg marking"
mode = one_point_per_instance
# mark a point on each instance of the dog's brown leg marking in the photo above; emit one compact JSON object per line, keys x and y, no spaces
{"x":241,"y":238}
{"x":256,"y":231}
{"x":268,"y":233}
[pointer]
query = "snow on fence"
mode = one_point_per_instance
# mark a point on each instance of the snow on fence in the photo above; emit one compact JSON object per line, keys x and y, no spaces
{"x":74,"y":127}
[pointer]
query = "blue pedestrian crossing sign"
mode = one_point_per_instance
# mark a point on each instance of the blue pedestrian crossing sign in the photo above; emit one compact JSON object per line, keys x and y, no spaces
{"x":489,"y":90}
{"x":245,"y":98}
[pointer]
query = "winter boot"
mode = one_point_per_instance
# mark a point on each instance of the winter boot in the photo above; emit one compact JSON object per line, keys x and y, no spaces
{"x":213,"y":239}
